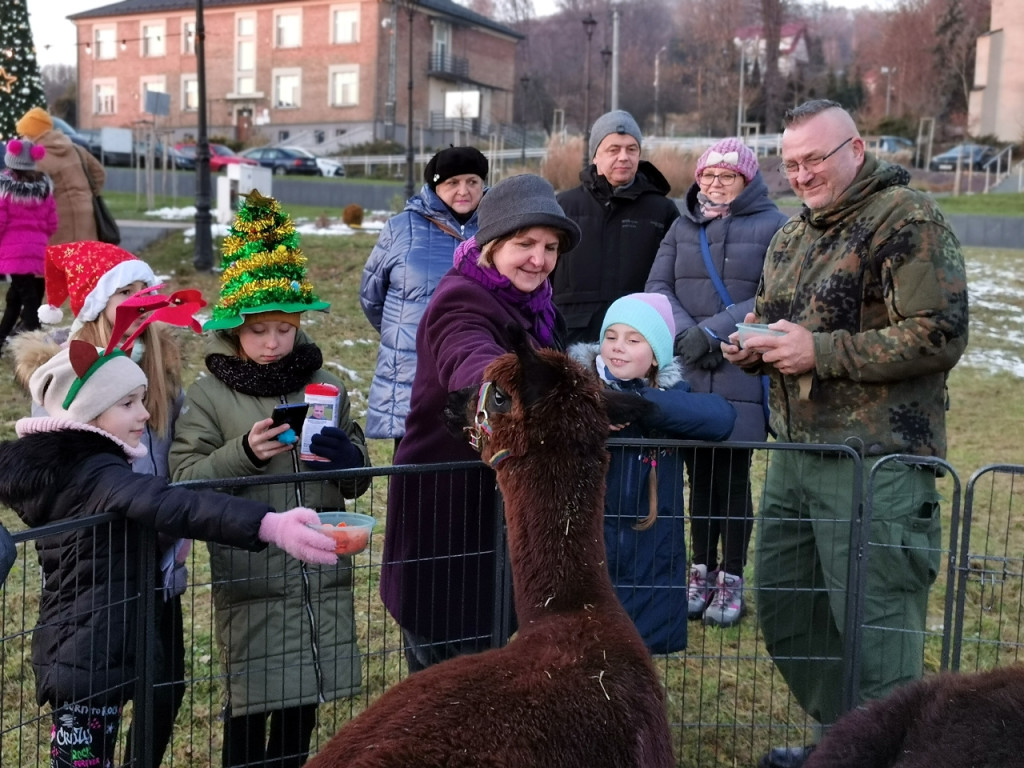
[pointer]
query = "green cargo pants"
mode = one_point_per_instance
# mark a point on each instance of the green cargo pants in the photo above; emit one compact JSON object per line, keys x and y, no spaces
{"x":801,"y":567}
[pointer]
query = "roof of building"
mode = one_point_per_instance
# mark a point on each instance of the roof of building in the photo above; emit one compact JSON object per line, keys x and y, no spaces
{"x":125,"y":7}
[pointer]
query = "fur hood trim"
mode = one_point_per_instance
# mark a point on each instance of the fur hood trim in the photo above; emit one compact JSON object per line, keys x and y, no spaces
{"x":23,"y":191}
{"x":36,"y":425}
{"x":586,"y":355}
{"x":31,"y":349}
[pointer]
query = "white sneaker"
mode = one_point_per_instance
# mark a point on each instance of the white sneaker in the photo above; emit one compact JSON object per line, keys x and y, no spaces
{"x":700,"y":591}
{"x":726,"y":607}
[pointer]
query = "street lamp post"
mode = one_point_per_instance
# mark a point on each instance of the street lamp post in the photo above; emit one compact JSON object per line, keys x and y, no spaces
{"x":525,"y":81}
{"x":202,"y":258}
{"x":606,"y":58}
{"x":887,"y":71}
{"x":409,"y":156}
{"x":588,"y":26}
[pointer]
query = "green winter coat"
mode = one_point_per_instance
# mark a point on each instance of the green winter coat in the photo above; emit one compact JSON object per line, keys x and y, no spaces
{"x":285,"y":630}
{"x":879,"y":279}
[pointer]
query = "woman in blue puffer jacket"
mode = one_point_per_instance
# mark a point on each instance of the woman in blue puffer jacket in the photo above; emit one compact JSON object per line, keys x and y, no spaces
{"x":414,"y":250}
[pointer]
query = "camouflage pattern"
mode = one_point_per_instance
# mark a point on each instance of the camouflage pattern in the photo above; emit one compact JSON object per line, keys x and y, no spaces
{"x":879,"y":279}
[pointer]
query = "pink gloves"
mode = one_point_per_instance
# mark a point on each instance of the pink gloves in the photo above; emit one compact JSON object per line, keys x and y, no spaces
{"x":289,"y":531}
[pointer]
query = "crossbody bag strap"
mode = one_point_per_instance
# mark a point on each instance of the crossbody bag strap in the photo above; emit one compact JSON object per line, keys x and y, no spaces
{"x":709,"y":265}
{"x":85,"y":169}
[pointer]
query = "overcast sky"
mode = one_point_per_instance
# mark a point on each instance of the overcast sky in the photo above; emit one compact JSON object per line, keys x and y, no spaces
{"x":54,"y":35}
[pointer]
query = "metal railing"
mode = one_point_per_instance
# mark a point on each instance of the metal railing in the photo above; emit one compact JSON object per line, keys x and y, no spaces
{"x":727,"y":701}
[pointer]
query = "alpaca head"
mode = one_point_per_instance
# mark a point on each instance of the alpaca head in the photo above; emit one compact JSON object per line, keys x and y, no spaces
{"x":535,"y":399}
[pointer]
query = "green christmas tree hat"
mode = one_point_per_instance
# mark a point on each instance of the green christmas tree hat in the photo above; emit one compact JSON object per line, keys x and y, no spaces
{"x":264,"y":269}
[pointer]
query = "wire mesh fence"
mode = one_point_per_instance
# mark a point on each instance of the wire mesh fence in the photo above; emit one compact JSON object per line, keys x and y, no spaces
{"x":727,"y":700}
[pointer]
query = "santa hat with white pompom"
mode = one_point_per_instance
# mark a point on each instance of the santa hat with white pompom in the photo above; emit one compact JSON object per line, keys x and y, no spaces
{"x":88,"y":273}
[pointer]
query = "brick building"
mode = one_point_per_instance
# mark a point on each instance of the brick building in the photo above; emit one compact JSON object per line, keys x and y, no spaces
{"x":323,"y":73}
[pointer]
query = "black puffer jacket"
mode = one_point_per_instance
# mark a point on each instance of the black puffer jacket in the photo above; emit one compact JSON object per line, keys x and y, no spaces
{"x":622,"y":229}
{"x":83,"y":645}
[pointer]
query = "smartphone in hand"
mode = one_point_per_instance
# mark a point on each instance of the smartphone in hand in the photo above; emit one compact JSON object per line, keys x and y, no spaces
{"x":715,"y":336}
{"x":292,"y":414}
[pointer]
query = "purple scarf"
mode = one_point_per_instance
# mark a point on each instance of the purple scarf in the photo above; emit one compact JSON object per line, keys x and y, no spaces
{"x":536,"y":304}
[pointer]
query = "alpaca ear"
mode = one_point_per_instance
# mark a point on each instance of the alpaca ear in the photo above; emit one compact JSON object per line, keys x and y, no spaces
{"x":625,"y":407}
{"x":82,"y":355}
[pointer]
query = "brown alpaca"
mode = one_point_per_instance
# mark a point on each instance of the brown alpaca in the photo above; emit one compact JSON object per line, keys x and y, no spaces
{"x":947,"y":721}
{"x":575,"y":688}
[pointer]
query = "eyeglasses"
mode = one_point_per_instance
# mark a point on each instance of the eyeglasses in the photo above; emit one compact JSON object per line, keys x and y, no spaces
{"x":813,"y":164}
{"x":725,"y":179}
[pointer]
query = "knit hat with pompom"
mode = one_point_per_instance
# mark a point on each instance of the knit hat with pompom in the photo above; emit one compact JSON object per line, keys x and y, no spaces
{"x":22,"y":154}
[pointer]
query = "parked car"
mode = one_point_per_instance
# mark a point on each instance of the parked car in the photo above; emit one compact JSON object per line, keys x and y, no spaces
{"x":183,"y":157}
{"x":76,"y":136}
{"x":220,"y":156}
{"x":974,"y":156}
{"x":890,"y":144}
{"x":283,"y":161}
{"x":327,"y":166}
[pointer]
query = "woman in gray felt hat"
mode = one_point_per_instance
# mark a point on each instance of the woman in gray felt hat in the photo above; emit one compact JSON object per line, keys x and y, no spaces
{"x":438,"y":575}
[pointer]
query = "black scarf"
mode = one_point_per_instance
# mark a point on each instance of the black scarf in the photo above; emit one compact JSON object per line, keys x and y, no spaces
{"x":289,"y":374}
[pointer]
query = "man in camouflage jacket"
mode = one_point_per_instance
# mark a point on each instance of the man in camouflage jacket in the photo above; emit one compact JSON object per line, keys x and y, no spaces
{"x":868,"y":284}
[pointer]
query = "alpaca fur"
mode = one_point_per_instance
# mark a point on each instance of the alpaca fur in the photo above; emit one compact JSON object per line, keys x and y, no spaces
{"x":575,"y":687}
{"x":949,"y":720}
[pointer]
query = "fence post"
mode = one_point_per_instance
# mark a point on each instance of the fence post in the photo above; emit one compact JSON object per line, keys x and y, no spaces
{"x":142,"y":715}
{"x":856,"y":580}
{"x":502,"y":622}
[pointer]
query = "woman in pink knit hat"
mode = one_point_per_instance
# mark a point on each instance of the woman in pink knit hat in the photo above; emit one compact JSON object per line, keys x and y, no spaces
{"x":708,"y":267}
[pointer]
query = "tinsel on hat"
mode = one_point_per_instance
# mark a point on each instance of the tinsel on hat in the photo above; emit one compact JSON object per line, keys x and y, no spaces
{"x":264,"y":269}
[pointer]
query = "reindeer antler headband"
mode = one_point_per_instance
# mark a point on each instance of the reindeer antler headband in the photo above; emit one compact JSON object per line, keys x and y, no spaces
{"x":176,"y":309}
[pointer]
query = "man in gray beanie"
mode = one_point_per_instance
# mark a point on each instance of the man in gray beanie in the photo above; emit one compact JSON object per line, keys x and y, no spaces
{"x":623,"y":209}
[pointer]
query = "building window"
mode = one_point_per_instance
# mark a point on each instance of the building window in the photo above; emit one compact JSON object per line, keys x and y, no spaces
{"x":245,"y":55}
{"x":246,"y":61}
{"x":189,"y":93}
{"x":188,"y":38}
{"x":286,"y":88}
{"x":288,"y":30}
{"x":106,"y":43}
{"x":442,"y":41}
{"x":152,"y":40}
{"x":345,"y":24}
{"x":344,"y":82}
{"x":105,"y":97}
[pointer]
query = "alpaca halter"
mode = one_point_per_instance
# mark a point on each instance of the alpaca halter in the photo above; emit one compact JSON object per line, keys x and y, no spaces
{"x":481,"y":429}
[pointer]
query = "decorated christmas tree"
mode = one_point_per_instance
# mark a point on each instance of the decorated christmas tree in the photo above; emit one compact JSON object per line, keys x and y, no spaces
{"x":263,"y":267}
{"x":21,"y":87}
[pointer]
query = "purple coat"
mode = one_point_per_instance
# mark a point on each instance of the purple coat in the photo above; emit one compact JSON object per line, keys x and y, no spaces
{"x":28,"y":216}
{"x":449,"y":516}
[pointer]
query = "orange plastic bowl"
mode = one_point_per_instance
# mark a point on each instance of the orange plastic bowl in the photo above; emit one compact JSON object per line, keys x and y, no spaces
{"x":350,"y":530}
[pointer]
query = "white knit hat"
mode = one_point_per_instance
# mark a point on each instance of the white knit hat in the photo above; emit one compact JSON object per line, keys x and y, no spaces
{"x":102,"y":384}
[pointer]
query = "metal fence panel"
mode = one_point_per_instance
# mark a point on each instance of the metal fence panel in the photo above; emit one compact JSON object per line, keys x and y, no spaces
{"x":727,"y":701}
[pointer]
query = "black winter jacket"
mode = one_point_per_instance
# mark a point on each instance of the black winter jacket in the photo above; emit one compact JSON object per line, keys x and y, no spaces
{"x":622,"y":229}
{"x":83,"y":646}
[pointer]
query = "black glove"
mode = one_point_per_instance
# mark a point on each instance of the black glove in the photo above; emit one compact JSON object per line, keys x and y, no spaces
{"x":692,"y":344}
{"x":712,"y":359}
{"x":333,"y":444}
